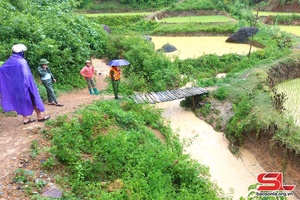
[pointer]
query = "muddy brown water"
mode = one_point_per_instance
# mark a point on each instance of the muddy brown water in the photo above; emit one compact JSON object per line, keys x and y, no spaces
{"x":193,"y":47}
{"x":233,"y":174}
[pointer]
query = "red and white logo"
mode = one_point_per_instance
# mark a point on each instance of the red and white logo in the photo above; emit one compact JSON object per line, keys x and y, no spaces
{"x":273,"y":181}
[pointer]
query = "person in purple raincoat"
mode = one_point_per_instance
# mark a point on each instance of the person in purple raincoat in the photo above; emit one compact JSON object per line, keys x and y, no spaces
{"x":17,"y":87}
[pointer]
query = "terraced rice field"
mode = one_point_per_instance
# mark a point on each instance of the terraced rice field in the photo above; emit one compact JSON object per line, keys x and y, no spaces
{"x":292,"y":90}
{"x":193,"y":47}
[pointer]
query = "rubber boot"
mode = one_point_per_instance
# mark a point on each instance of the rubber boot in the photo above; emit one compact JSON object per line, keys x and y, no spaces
{"x":91,"y":91}
{"x":96,"y":91}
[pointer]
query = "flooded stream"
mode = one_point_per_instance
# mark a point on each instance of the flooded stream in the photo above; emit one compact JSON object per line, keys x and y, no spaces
{"x":234,"y":175}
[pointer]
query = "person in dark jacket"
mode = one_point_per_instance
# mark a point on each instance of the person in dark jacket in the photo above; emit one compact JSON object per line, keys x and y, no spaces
{"x":18,"y":90}
{"x":47,"y":80}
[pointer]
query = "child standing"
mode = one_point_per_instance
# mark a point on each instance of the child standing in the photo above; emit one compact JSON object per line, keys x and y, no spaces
{"x":88,"y":72}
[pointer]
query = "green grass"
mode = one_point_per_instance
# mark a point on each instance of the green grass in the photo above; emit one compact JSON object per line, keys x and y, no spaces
{"x":201,"y":19}
{"x":262,"y":13}
{"x":117,"y":14}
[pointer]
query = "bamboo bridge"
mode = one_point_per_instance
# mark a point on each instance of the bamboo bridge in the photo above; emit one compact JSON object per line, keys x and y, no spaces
{"x":169,"y":95}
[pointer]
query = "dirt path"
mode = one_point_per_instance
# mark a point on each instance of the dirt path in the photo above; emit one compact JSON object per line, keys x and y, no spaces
{"x":16,"y":138}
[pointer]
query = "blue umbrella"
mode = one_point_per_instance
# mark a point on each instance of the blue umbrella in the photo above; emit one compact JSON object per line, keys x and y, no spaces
{"x":118,"y":62}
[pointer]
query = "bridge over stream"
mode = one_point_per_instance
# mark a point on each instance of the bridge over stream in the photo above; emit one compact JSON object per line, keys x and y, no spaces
{"x":169,"y":95}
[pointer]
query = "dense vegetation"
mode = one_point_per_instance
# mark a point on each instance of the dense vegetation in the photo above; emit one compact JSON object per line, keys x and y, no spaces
{"x":51,"y":31}
{"x":109,"y":142}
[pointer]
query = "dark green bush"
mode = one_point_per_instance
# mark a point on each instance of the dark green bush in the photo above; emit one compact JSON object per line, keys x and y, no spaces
{"x":205,"y":110}
{"x":208,"y":66}
{"x":50,"y":31}
{"x":221,"y":93}
{"x":156,"y":71}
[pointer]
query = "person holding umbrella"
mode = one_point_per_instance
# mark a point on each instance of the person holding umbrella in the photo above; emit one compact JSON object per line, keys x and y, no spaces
{"x":115,"y":74}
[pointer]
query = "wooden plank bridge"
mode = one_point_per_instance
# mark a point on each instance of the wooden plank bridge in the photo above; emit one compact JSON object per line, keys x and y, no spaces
{"x":169,"y":95}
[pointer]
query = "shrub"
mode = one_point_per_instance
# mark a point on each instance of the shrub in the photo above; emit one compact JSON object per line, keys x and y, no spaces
{"x":156,"y":70}
{"x":221,"y":93}
{"x":237,"y":124}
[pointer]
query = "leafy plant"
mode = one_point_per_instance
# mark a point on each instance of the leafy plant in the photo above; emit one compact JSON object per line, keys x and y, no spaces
{"x":22,"y":175}
{"x":205,"y":109}
{"x":278,"y":100}
{"x":49,"y":163}
{"x":221,"y":93}
{"x":34,"y":149}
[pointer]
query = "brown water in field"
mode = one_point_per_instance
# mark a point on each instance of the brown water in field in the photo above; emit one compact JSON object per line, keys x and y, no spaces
{"x":193,"y":47}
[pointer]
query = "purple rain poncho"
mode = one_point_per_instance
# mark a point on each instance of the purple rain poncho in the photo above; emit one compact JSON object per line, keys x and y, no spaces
{"x":17,"y":86}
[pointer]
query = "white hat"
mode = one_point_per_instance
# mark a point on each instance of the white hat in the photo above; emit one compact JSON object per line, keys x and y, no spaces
{"x":87,"y":61}
{"x":17,"y":48}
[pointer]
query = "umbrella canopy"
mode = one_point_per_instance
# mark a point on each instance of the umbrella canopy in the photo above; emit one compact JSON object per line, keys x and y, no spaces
{"x":118,"y":62}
